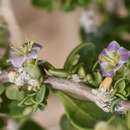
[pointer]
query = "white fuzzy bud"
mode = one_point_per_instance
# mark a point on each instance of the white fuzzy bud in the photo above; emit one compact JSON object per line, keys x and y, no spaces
{"x":21,"y":77}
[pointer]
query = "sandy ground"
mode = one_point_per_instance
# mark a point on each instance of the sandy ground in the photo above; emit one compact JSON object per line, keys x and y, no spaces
{"x":58,"y":32}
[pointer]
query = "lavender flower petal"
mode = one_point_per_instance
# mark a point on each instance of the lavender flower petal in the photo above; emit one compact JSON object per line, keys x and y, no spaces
{"x":119,"y":66}
{"x":18,"y":60}
{"x":104,"y":71}
{"x":113,"y":46}
{"x":104,"y":52}
{"x":32,"y":55}
{"x":36,"y":47}
{"x":15,"y":60}
{"x":124,"y":54}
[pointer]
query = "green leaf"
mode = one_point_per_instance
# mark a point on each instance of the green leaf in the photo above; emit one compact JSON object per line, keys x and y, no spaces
{"x":31,"y":125}
{"x":69,"y":5}
{"x":15,"y":111}
{"x":33,"y":70}
{"x":98,"y":78}
{"x":2,"y":123}
{"x":82,"y":114}
{"x":83,"y":2}
{"x":120,"y":89}
{"x":65,"y":5}
{"x":118,"y":122}
{"x":71,"y":56}
{"x":94,"y":79}
{"x":44,"y":4}
{"x":128,"y":119}
{"x":81,"y":72}
{"x":65,"y":124}
{"x":87,"y":54}
{"x":29,"y":101}
{"x":28,"y":110}
{"x":41,"y":94}
{"x":58,"y":73}
{"x":120,"y":85}
{"x":2,"y":88}
{"x":75,"y":60}
{"x":13,"y":93}
{"x":115,"y":123}
{"x":4,"y":44}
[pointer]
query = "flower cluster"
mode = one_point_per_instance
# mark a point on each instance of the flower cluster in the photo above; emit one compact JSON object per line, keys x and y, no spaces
{"x":25,"y":63}
{"x":112,"y":59}
{"x":29,"y":51}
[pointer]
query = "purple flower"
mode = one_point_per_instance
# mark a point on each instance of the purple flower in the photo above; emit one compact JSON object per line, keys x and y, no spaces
{"x":112,"y":59}
{"x":27,"y":52}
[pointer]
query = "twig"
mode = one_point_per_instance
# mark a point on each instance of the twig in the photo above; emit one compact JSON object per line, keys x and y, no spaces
{"x":4,"y":77}
{"x":117,"y":7}
{"x":10,"y":123}
{"x":4,"y":115}
{"x":84,"y":92}
{"x":8,"y":15}
{"x":79,"y":91}
{"x":123,"y":106}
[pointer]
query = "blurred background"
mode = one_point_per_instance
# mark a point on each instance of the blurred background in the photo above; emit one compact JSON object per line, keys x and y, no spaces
{"x":100,"y":22}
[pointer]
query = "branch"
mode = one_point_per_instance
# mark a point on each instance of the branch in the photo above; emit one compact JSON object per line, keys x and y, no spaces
{"x":123,"y":106}
{"x":4,"y":77}
{"x":8,"y":15}
{"x":79,"y":91}
{"x":117,"y":7}
{"x":84,"y":92}
{"x":10,"y":123}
